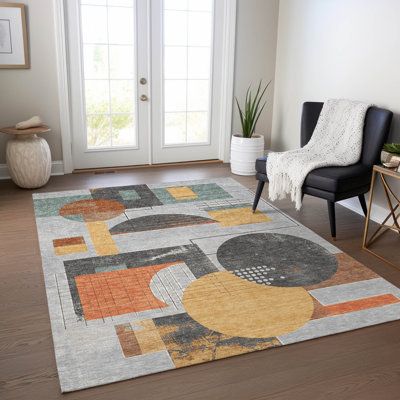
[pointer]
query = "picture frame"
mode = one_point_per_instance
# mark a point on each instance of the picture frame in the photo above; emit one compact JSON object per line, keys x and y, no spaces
{"x":13,"y":36}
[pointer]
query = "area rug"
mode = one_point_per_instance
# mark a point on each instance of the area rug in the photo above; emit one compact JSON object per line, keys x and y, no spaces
{"x":147,"y":278}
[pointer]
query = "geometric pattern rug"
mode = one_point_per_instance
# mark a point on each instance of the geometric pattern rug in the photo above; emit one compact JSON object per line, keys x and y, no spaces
{"x":147,"y":278}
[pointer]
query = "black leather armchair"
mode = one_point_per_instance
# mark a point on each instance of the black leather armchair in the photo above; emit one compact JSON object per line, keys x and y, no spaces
{"x":338,"y":183}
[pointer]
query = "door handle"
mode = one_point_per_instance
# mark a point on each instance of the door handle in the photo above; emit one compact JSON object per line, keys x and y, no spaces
{"x":143,"y":97}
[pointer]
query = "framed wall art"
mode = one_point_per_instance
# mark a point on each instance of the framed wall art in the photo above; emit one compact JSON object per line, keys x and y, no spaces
{"x":13,"y":36}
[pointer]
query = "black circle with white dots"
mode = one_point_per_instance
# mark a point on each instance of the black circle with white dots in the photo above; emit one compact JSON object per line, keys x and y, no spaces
{"x":274,"y":259}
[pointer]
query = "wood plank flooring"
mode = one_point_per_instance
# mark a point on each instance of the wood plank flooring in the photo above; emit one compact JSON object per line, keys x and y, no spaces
{"x":358,"y":365}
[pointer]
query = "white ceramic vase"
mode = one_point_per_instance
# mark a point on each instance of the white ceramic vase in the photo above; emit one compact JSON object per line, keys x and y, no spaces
{"x":244,"y":152}
{"x":387,"y":157}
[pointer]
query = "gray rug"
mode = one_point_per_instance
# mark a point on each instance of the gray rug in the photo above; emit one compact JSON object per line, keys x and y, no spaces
{"x":147,"y":278}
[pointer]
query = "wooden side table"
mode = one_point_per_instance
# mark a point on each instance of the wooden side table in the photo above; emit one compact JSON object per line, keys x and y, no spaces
{"x":393,"y":202}
{"x":28,"y":156}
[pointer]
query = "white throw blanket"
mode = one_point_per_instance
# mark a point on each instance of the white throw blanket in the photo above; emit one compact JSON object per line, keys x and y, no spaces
{"x":336,"y":141}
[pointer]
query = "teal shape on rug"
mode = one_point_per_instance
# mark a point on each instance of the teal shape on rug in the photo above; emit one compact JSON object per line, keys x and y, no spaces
{"x":129,"y":194}
{"x":51,"y":207}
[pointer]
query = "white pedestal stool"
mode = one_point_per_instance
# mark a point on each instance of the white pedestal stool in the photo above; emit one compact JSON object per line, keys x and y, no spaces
{"x":28,"y":156}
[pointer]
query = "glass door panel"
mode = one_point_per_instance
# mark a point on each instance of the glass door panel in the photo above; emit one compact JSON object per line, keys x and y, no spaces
{"x":108,"y":46}
{"x":187,"y":49}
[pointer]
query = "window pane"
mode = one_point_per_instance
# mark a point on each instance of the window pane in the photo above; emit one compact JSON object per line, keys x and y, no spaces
{"x":122,"y":3}
{"x":123,"y":130}
{"x":109,"y":63}
{"x":197,"y":127}
{"x":95,"y":61}
{"x":120,"y":25}
{"x":122,"y":96}
{"x":175,"y":62}
{"x":175,"y":28}
{"x":98,"y":131}
{"x":200,"y":5}
{"x":187,"y":70}
{"x":94,"y":2}
{"x":198,"y":95}
{"x":122,"y":62}
{"x":199,"y":29}
{"x":97,"y":97}
{"x":175,"y":4}
{"x":199,"y":62}
{"x":175,"y":95}
{"x":94,"y":24}
{"x":175,"y":128}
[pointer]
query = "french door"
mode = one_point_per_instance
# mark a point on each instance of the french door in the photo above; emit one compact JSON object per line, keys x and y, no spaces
{"x":143,"y":79}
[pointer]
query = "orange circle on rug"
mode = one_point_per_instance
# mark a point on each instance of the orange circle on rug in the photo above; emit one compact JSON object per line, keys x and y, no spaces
{"x":92,"y":210}
{"x":233,"y":306}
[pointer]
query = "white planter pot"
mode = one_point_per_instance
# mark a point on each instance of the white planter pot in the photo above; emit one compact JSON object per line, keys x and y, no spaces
{"x":387,"y":157}
{"x":244,"y":152}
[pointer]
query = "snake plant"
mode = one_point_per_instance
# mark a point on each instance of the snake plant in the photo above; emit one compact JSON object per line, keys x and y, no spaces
{"x":392,"y":148}
{"x":252,"y":109}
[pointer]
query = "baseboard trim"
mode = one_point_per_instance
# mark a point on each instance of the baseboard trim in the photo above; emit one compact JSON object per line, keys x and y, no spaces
{"x":378,"y":213}
{"x":57,"y":168}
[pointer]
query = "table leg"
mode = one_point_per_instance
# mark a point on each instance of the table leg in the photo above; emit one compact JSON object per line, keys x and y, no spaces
{"x":371,"y":195}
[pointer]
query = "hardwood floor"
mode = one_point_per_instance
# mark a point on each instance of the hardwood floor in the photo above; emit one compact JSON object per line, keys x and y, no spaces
{"x":358,"y":365}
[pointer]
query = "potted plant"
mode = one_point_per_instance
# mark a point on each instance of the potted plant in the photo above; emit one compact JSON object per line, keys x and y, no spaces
{"x":391,"y":154}
{"x":248,"y":146}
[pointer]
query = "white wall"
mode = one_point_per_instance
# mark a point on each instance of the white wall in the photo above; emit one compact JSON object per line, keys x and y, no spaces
{"x":34,"y":91}
{"x":256,"y":37}
{"x":335,"y":49}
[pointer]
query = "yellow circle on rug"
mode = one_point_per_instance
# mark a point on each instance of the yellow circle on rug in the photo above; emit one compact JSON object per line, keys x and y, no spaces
{"x":224,"y":303}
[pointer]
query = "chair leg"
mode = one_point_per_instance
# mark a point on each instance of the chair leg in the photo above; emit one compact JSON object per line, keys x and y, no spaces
{"x":259,"y":190}
{"x":332,"y":219}
{"x":363,"y":203}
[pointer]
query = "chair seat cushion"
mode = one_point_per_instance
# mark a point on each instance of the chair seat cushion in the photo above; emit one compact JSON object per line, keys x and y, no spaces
{"x":331,"y":179}
{"x":339,"y":179}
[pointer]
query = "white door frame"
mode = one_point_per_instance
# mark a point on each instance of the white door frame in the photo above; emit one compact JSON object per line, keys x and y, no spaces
{"x":62,"y":58}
